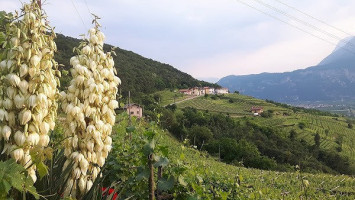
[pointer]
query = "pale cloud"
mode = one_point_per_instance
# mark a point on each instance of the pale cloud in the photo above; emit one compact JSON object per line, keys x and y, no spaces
{"x":277,"y":57}
{"x":208,"y":37}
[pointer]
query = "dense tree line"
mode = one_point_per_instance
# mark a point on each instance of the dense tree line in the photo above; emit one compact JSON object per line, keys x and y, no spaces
{"x":243,"y":142}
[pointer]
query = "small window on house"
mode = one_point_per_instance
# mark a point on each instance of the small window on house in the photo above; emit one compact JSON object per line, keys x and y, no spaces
{"x":132,"y":113}
{"x":138,"y":112}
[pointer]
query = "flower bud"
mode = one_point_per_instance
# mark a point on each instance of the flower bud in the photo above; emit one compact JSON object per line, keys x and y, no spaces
{"x":3,"y":115}
{"x":84,"y":164}
{"x":88,"y":185}
{"x":7,"y":103}
{"x":20,"y":138}
{"x":26,"y":117}
{"x":12,"y":119}
{"x":33,"y":139}
{"x":82,"y":184}
{"x":43,"y":140}
{"x":13,"y":79}
{"x":17,"y":154}
{"x":35,"y":60}
{"x":23,"y":70}
{"x":44,"y":128}
{"x":19,"y":101}
{"x":6,"y":132}
{"x":23,"y":86}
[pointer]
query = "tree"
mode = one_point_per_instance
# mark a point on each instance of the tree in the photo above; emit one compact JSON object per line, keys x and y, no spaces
{"x":350,"y":125}
{"x":301,"y":125}
{"x":293,"y":134}
{"x":317,"y":140}
{"x":200,"y":135}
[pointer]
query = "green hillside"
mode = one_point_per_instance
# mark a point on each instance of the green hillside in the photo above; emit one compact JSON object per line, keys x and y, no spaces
{"x":138,"y":74}
{"x":201,"y":176}
{"x":283,"y":136}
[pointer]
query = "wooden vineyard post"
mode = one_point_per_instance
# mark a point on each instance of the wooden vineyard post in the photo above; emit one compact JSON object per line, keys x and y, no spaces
{"x":151,"y":177}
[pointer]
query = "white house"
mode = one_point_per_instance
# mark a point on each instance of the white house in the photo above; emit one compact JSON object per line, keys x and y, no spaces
{"x":221,"y":91}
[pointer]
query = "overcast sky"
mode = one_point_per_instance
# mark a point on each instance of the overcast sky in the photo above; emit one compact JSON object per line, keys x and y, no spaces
{"x":211,"y":38}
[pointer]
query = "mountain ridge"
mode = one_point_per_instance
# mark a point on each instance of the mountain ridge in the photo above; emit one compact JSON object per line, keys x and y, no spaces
{"x":332,"y":79}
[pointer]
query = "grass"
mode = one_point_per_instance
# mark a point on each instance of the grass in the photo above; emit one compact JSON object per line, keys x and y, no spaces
{"x":253,"y":183}
{"x":329,"y":128}
{"x":168,"y":97}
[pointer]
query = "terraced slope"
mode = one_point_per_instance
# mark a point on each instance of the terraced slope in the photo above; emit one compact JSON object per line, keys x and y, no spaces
{"x":243,"y":183}
{"x":334,"y":131}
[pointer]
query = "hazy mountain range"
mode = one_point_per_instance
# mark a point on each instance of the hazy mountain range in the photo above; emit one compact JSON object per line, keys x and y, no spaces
{"x":332,"y":79}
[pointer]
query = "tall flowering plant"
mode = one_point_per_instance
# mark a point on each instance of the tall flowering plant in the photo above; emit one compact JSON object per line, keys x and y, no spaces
{"x":28,"y":90}
{"x":89,"y":104}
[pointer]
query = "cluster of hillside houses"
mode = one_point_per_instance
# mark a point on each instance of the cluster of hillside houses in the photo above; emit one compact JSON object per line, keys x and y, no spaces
{"x":198,"y":91}
{"x":136,"y":110}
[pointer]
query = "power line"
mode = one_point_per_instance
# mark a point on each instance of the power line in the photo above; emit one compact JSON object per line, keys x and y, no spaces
{"x":87,"y":6}
{"x":308,"y":15}
{"x":302,"y":22}
{"x":300,"y":29}
{"x":78,"y":14}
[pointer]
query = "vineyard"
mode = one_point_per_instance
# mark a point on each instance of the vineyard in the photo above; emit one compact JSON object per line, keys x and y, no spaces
{"x":241,"y":106}
{"x":208,"y":176}
{"x":331,"y":129}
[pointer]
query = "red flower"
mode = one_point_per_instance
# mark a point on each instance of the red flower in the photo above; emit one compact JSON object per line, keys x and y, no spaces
{"x":110,"y":191}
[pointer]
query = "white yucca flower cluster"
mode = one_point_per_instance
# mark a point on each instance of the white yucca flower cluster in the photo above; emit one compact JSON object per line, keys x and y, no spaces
{"x":28,"y":88}
{"x":89,"y":104}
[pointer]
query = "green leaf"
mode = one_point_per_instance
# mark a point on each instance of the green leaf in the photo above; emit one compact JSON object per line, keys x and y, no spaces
{"x":162,"y":161}
{"x":5,"y":186}
{"x":181,"y":181}
{"x":164,"y":150}
{"x":130,"y":129}
{"x":30,"y":188}
{"x":13,"y":176}
{"x":182,"y":156}
{"x":192,"y":198}
{"x":166,"y":183}
{"x":148,"y":148}
{"x":149,"y":134}
{"x":143,"y":173}
{"x":42,"y":169}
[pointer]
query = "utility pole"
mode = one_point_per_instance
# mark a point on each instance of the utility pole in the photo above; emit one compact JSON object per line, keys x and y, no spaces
{"x":219,"y":152}
{"x":129,"y":107}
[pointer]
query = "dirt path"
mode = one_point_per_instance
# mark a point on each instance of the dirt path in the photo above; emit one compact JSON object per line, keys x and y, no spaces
{"x":192,"y":97}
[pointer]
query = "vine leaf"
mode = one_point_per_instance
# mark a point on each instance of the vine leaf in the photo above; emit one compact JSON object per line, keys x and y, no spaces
{"x":166,"y":183}
{"x":161,"y":162}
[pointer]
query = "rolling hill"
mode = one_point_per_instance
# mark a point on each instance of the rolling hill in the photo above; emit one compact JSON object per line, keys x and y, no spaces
{"x":334,"y":131}
{"x":207,"y":176}
{"x":138,"y":74}
{"x":331,"y":80}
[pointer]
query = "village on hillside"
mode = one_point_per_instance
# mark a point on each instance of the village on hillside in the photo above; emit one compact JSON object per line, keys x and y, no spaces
{"x":198,"y":91}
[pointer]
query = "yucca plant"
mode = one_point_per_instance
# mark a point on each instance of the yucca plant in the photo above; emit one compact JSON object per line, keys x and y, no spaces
{"x":89,"y":105}
{"x":28,"y":88}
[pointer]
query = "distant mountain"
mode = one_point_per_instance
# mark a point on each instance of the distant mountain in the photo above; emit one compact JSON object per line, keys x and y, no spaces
{"x":139,"y":75}
{"x":332,"y":79}
{"x":208,"y":79}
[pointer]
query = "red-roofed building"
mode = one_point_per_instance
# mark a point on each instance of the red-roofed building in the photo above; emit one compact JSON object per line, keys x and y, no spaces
{"x":257,"y":110}
{"x":185,"y":91}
